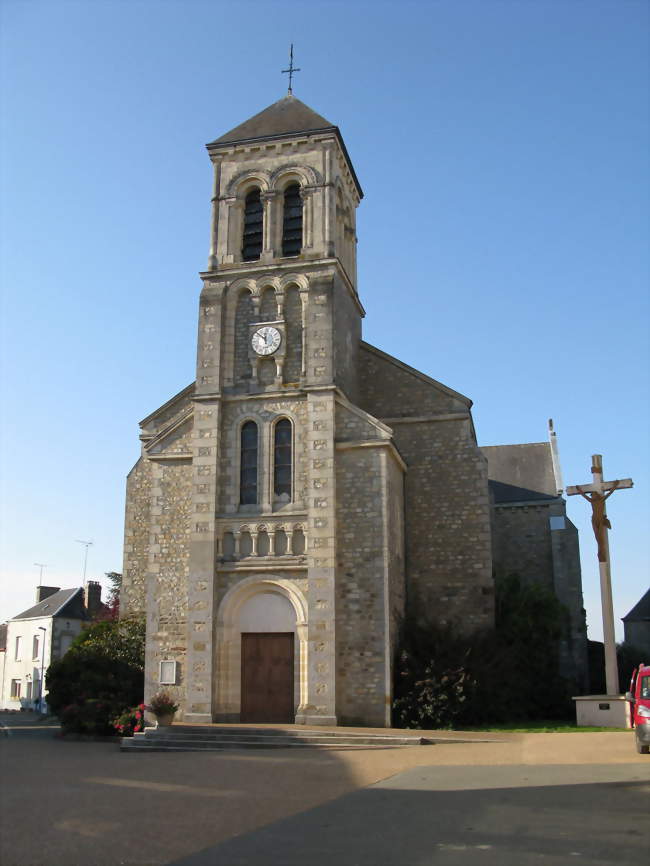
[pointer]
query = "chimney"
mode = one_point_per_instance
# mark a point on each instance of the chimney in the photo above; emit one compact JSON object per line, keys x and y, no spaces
{"x":93,"y":598}
{"x":43,"y":592}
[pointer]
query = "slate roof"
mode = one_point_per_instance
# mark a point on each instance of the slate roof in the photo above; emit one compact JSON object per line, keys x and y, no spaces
{"x":520,"y":473}
{"x":285,"y":118}
{"x":641,"y":610}
{"x":65,"y":602}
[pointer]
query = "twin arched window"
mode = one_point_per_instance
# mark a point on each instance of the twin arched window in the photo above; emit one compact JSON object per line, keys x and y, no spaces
{"x":252,"y":240}
{"x":282,"y":462}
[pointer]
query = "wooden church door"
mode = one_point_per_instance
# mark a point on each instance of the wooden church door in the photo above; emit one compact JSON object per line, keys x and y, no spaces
{"x":267,"y":677}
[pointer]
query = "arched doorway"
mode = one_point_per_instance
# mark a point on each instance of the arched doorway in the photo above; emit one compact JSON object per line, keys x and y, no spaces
{"x":260,"y":651}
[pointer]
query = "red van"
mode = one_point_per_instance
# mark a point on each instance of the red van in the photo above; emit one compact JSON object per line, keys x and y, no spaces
{"x":639,"y":697}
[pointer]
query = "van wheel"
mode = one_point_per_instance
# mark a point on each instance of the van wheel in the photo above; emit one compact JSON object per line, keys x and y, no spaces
{"x":641,"y":748}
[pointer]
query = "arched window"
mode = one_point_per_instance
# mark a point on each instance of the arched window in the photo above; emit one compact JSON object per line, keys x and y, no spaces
{"x":292,"y":221}
{"x":248,"y":464}
{"x":282,"y":461}
{"x":253,"y":217}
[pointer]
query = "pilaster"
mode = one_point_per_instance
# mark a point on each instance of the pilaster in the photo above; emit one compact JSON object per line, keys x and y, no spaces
{"x":320,"y":705}
{"x":205,"y":464}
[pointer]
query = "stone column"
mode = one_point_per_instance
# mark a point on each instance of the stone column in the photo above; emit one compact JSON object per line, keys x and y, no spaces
{"x":269,"y":226}
{"x":320,"y":700}
{"x":214,"y":223}
{"x":307,"y":219}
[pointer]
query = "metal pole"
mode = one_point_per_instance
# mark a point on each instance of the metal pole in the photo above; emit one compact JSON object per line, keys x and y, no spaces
{"x":87,"y":545}
{"x":41,"y":565}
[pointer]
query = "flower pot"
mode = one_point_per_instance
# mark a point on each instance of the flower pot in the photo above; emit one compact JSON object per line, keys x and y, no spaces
{"x":164,"y":720}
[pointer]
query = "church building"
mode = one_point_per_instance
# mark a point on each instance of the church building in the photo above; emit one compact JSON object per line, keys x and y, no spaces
{"x":307,"y":488}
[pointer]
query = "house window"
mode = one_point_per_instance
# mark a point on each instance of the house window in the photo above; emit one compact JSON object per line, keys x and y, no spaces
{"x":282,"y":461}
{"x":248,"y":464}
{"x":35,"y":643}
{"x":253,"y":219}
{"x":19,"y":649}
{"x":292,"y":221}
{"x":15,"y":689}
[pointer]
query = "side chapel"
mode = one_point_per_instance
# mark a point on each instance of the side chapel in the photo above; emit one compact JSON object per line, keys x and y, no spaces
{"x":295,"y":499}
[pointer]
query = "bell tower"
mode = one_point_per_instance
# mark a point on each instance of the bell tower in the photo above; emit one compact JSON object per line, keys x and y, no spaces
{"x":278,"y":338}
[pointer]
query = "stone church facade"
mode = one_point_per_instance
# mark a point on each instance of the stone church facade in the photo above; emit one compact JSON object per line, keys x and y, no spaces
{"x":293,"y":501}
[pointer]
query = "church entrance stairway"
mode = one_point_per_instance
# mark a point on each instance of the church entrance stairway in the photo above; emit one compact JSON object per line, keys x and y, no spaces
{"x":193,"y":738}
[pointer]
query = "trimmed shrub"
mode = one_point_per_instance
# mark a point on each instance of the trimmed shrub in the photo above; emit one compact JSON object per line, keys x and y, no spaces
{"x":100,"y":676}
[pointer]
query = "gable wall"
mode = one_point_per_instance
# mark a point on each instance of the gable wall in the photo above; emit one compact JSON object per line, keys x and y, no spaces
{"x":136,"y":539}
{"x":447,"y":513}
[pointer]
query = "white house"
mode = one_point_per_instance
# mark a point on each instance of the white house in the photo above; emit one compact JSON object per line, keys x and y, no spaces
{"x":40,"y":635}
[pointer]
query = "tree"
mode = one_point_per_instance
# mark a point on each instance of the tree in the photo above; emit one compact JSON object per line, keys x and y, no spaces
{"x":445,"y":678}
{"x":100,"y":676}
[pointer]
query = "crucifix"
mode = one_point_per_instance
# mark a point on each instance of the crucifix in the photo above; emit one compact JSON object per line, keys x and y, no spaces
{"x":291,"y":69}
{"x":597,"y":493}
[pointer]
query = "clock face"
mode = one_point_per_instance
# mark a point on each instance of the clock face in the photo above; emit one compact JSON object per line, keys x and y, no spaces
{"x":266,"y":340}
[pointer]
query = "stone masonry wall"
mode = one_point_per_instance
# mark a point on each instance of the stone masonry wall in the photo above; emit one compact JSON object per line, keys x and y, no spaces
{"x":388,"y":390}
{"x":346,"y":338}
{"x":136,"y":539}
{"x":360,"y":622}
{"x":167,"y":591}
{"x":522,"y":543}
{"x":448,"y":545}
{"x":447,"y":529}
{"x":396,"y":564}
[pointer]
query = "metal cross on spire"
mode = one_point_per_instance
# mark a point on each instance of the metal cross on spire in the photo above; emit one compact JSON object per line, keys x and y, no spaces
{"x":291,"y":69}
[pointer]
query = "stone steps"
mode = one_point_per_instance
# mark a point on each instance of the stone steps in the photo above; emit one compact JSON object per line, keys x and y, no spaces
{"x":194,"y":738}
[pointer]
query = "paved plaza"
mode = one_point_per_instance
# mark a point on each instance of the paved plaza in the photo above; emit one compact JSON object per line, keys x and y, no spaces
{"x":504,"y":800}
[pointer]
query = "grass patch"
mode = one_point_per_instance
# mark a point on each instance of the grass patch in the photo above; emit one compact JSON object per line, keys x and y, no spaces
{"x":543,"y":727}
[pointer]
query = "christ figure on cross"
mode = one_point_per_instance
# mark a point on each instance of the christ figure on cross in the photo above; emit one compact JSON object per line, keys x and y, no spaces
{"x":599,"y":520}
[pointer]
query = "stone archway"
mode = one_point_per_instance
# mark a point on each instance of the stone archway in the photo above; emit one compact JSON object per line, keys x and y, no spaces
{"x":256,"y":604}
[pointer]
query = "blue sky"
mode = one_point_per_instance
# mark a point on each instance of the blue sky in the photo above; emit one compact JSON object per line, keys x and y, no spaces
{"x":502,"y":148}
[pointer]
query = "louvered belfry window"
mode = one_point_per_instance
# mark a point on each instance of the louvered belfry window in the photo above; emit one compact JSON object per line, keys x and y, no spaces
{"x":253,"y":218}
{"x":248,"y":464}
{"x":292,"y":221}
{"x":282,"y":460}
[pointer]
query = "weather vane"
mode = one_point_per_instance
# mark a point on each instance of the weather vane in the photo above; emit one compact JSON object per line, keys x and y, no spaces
{"x":291,"y":69}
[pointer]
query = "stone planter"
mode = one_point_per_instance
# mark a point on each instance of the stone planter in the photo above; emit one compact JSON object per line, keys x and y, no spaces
{"x":165,"y":720}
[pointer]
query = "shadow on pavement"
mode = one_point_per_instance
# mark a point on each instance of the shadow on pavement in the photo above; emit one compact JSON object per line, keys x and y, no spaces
{"x":604,"y":823}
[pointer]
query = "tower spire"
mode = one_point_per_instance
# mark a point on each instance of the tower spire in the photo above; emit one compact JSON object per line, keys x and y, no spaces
{"x":290,"y":70}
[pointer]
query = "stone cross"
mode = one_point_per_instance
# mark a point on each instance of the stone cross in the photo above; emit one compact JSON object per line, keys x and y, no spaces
{"x":597,"y":493}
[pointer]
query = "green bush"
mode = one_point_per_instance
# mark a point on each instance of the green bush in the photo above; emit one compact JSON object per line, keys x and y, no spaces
{"x":444,"y":678}
{"x":100,"y":676}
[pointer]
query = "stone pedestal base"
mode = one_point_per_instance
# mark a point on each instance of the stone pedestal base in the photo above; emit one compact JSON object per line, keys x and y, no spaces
{"x":603,"y":711}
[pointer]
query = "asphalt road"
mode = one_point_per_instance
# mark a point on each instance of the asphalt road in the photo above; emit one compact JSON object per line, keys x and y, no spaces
{"x":527,"y":799}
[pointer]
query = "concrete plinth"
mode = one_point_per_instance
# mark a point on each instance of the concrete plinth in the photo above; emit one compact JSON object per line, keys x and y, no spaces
{"x":604,"y":711}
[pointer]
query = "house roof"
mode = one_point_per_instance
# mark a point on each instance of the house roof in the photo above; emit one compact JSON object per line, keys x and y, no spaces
{"x":641,"y":610}
{"x":65,"y":602}
{"x":286,"y":118}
